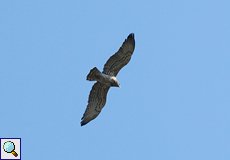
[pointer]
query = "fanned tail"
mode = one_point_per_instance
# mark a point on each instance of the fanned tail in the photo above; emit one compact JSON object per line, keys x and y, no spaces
{"x":93,"y":74}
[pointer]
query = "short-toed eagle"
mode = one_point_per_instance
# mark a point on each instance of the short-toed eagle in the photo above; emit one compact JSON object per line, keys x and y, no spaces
{"x":106,"y":79}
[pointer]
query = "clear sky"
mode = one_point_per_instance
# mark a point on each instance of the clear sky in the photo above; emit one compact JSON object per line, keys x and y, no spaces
{"x":174,"y":100}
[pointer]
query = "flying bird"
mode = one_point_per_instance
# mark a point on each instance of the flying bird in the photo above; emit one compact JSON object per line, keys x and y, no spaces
{"x":106,"y":79}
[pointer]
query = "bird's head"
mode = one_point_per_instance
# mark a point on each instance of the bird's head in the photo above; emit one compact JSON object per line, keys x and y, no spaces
{"x":114,"y":82}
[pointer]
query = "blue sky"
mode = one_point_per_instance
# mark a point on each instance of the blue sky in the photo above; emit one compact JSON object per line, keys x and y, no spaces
{"x":174,"y":97}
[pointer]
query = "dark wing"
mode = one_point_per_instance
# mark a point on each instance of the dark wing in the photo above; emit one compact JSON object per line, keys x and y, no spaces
{"x":121,"y":58}
{"x":96,"y":101}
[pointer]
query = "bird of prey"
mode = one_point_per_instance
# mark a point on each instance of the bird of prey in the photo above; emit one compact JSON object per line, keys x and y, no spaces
{"x":106,"y":79}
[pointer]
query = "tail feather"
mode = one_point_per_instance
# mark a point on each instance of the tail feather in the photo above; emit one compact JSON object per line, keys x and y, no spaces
{"x":93,"y":74}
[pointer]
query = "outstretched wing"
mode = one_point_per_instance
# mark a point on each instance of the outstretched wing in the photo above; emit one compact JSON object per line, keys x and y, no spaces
{"x":96,"y":101}
{"x":121,"y":57}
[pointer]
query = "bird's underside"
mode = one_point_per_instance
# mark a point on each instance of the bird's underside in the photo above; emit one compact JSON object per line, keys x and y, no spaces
{"x":106,"y":79}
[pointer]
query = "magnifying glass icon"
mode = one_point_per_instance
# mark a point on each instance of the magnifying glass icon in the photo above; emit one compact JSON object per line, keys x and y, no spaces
{"x":9,"y":147}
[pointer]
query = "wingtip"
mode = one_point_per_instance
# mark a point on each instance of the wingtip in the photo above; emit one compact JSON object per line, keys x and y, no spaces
{"x":131,"y":35}
{"x":83,"y":123}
